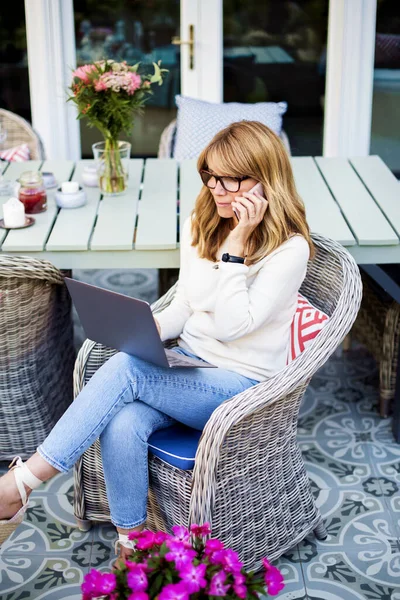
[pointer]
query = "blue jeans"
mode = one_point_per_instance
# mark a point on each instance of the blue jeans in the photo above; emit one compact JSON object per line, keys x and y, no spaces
{"x":125,"y":401}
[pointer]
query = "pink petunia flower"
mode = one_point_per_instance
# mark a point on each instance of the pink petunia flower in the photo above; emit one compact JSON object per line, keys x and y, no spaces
{"x":174,"y":591}
{"x":144,"y":539}
{"x":160,"y":537}
{"x":239,"y":578}
{"x":274,"y":581}
{"x":217,"y":587}
{"x":137,"y":579}
{"x":83,"y":72}
{"x":266,"y":564}
{"x":194,"y":577}
{"x":217,"y":557}
{"x":200,"y":530}
{"x":130,"y":565}
{"x":181,"y":534}
{"x":212,"y":545}
{"x":97,"y":584}
{"x":240,"y":590}
{"x":231,"y":561}
{"x":138,"y":596}
{"x":179,"y":554}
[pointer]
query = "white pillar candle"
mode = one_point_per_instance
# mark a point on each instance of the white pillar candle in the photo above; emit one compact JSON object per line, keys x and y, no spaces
{"x":70,"y":187}
{"x":13,"y":213}
{"x":89,"y":176}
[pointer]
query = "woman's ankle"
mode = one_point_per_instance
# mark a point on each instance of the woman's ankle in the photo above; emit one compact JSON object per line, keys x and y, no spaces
{"x":128,"y":531}
{"x":40,"y":467}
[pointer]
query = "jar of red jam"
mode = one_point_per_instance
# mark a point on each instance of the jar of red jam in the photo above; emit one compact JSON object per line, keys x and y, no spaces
{"x":32,"y":192}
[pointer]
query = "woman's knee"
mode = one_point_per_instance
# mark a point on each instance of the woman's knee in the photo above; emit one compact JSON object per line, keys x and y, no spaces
{"x":136,"y":420}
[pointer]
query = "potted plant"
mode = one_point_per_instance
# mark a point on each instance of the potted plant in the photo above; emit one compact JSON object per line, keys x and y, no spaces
{"x":181,"y":566}
{"x":108,"y":94}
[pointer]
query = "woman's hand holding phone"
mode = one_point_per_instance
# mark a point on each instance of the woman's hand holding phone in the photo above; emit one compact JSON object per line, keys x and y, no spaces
{"x":250,"y":210}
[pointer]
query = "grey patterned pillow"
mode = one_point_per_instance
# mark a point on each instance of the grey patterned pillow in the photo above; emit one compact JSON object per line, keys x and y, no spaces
{"x":198,"y":121}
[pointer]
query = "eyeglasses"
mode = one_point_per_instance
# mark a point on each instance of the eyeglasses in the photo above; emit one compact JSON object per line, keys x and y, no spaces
{"x":230,"y":184}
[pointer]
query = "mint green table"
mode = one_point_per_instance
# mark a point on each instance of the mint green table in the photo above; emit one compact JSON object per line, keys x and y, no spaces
{"x":355,"y":201}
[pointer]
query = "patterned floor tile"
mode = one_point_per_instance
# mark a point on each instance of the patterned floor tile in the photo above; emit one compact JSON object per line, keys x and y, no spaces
{"x":49,"y":527}
{"x":40,"y":577}
{"x":294,"y":581}
{"x":370,"y":574}
{"x":327,"y":471}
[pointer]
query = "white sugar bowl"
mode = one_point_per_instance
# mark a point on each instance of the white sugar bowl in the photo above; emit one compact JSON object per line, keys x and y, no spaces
{"x":70,"y":195}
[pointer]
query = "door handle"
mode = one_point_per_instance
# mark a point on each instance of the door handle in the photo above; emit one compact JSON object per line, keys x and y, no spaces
{"x":178,"y":42}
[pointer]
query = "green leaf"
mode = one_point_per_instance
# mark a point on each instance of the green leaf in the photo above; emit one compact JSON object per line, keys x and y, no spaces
{"x":157,"y":74}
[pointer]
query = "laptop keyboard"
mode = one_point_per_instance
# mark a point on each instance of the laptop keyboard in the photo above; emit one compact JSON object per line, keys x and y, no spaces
{"x":179,"y":360}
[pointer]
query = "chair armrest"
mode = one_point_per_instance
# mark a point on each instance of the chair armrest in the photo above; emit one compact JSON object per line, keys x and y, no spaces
{"x":164,"y":301}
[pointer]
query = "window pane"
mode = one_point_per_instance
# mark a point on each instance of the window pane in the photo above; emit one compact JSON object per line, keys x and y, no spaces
{"x":385,"y":129}
{"x":132,"y":30}
{"x":276,"y":51}
{"x":14,"y":81}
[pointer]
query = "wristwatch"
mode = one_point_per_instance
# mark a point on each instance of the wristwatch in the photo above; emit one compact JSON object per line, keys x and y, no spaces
{"x":229,"y":258}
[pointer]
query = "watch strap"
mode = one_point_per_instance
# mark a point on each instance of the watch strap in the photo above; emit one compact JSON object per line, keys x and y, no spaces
{"x":234,"y":259}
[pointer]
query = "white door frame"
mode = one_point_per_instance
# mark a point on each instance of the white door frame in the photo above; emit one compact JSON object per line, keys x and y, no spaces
{"x":51,"y":59}
{"x":349,"y":77}
{"x":205,"y":81}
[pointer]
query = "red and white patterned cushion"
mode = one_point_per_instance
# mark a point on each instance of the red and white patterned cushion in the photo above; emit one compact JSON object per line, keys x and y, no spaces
{"x":16,"y":154}
{"x":306,"y":325}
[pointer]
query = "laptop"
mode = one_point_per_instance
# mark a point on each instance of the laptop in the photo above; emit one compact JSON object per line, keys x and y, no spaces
{"x":124,"y":323}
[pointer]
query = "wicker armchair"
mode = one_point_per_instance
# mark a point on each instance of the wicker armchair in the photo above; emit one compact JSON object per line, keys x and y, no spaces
{"x":167,"y":141}
{"x":378,"y":327}
{"x":249,"y":478}
{"x":19,"y":132}
{"x":36,"y":353}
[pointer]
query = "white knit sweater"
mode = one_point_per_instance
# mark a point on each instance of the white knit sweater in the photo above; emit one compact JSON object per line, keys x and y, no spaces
{"x":236,"y":316}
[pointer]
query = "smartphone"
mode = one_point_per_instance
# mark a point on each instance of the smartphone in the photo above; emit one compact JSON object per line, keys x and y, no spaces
{"x":257,"y":188}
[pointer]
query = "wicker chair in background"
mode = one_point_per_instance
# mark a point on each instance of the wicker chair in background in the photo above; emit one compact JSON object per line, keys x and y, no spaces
{"x":20,"y":132}
{"x":378,"y":327}
{"x":249,"y":479}
{"x":167,"y":140}
{"x":36,"y":353}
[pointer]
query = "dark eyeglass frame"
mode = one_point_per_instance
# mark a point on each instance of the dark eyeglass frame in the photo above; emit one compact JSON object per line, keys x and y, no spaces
{"x":220,"y":178}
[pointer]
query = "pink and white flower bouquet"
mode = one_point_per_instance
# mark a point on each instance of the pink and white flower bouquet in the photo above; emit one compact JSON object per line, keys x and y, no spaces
{"x":182,"y":566}
{"x":108,"y":94}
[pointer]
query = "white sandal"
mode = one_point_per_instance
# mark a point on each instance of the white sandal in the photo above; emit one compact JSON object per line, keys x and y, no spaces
{"x":124,"y":541}
{"x":22,"y":476}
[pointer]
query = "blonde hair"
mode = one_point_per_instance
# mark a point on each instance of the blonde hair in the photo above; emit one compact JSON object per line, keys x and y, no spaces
{"x":250,"y":148}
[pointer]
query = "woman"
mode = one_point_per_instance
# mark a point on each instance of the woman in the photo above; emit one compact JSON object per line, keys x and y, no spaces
{"x":243,"y":258}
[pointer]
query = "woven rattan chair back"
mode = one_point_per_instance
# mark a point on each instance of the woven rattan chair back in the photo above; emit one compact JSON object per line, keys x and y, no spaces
{"x":36,"y":353}
{"x":249,"y":479}
{"x":167,"y":141}
{"x":20,"y":132}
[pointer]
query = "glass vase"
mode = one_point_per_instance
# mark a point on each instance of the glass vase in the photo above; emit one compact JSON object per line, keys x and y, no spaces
{"x":112,"y":163}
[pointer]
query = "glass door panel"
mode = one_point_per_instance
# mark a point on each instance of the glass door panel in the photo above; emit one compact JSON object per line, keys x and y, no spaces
{"x":14,"y":79}
{"x":132,"y":30}
{"x":276,"y":51}
{"x":385,"y":128}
